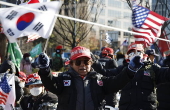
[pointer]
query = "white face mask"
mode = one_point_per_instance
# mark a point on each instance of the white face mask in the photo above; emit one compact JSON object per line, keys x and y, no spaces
{"x":132,"y":54}
{"x":36,"y":91}
{"x":22,"y":84}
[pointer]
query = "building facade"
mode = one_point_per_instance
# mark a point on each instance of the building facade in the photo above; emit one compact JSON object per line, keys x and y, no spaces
{"x":116,"y":13}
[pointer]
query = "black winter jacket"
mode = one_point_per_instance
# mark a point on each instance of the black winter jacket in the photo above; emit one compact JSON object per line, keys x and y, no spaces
{"x":139,"y":93}
{"x":27,"y":102}
{"x":108,"y":63}
{"x":163,"y":96}
{"x":68,"y":91}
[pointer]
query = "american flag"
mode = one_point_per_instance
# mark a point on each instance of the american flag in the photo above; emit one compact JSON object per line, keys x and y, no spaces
{"x":148,"y":23}
{"x":4,"y":90}
{"x":32,"y":37}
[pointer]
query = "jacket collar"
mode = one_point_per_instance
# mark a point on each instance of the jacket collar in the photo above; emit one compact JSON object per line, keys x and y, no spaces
{"x":73,"y":73}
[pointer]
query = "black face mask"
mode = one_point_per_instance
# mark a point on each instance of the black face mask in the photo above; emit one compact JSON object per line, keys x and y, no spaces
{"x":58,"y":51}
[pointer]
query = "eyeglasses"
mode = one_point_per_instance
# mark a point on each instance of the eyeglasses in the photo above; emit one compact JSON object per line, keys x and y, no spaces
{"x":86,"y":62}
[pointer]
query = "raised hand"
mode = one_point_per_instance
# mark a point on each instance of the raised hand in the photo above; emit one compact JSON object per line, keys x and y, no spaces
{"x":43,"y":60}
{"x":135,"y":64}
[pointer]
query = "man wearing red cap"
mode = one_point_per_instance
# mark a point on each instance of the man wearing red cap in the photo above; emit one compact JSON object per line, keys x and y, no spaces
{"x":139,"y":93}
{"x":39,"y":98}
{"x":108,"y":62}
{"x":80,"y":88}
{"x":57,"y":61}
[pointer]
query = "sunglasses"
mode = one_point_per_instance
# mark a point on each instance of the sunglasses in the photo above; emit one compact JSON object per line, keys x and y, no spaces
{"x":86,"y":62}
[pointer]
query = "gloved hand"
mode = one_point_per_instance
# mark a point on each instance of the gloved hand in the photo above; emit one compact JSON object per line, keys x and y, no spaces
{"x":43,"y":60}
{"x":93,"y":57}
{"x":97,"y":67}
{"x":135,"y":64}
{"x":34,"y":64}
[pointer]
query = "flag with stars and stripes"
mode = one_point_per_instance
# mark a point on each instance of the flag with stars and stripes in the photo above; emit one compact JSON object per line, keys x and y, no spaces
{"x":10,"y":104}
{"x":4,"y":90}
{"x":147,"y":23}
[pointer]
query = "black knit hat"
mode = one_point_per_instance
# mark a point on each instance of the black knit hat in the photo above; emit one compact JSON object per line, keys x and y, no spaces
{"x":26,"y":55}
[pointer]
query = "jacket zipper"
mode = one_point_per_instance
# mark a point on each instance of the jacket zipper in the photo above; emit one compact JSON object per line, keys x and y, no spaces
{"x":83,"y":93}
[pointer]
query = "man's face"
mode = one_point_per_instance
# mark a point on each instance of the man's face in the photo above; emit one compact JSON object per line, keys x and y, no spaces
{"x":134,"y":52}
{"x":82,"y":65}
{"x":152,"y":57}
{"x":61,"y":52}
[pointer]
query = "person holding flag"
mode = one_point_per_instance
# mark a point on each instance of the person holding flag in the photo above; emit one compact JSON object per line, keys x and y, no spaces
{"x":80,"y":88}
{"x":108,"y":62}
{"x":17,"y":90}
{"x":39,"y":98}
{"x":139,"y":93}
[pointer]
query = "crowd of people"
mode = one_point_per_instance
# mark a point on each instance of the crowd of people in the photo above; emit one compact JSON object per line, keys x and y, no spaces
{"x":91,"y":82}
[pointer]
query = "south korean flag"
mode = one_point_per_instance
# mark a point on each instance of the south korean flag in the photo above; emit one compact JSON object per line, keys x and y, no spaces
{"x":67,"y":82}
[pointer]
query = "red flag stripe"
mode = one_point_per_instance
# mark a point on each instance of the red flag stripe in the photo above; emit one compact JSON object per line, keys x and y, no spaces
{"x":32,"y":37}
{"x":33,"y":1}
{"x":2,"y":102}
{"x":159,"y":16}
{"x":147,"y":23}
{"x":3,"y":94}
{"x":3,"y":98}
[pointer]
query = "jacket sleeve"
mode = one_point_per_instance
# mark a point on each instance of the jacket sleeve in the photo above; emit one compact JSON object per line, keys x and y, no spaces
{"x":162,"y":74}
{"x":114,"y":84}
{"x":114,"y":63}
{"x":112,"y":72}
{"x":19,"y":91}
{"x":50,"y":82}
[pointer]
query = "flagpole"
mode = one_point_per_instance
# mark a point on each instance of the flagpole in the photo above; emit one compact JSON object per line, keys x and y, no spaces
{"x":7,"y":50}
{"x":45,"y":47}
{"x":156,"y":46}
{"x":83,"y":21}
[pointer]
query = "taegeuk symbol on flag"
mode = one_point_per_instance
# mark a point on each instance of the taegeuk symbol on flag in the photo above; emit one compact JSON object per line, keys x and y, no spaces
{"x":18,"y":22}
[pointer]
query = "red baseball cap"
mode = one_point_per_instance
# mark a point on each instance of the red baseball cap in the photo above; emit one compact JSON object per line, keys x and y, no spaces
{"x":33,"y":79}
{"x":22,"y":76}
{"x":108,"y":51}
{"x":60,"y":47}
{"x":135,"y":46}
{"x":80,"y":51}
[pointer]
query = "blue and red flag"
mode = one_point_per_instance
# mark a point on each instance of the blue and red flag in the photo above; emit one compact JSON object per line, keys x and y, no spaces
{"x":19,"y":22}
{"x":4,"y":90}
{"x":148,"y":23}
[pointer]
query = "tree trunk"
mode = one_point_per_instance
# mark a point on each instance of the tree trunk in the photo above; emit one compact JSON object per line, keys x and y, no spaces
{"x":3,"y":41}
